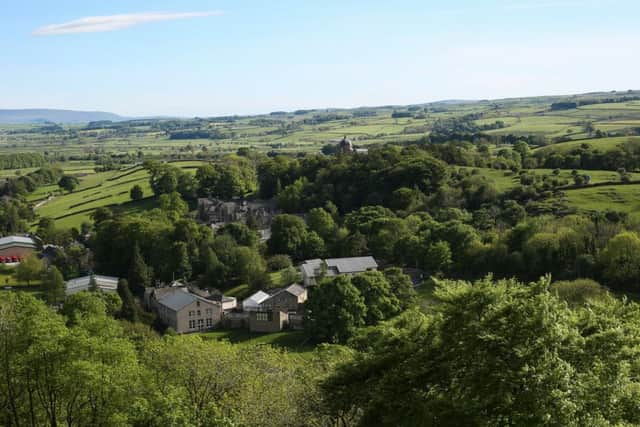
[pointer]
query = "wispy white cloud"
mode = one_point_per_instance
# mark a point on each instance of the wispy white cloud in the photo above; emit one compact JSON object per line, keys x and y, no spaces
{"x":96,"y":24}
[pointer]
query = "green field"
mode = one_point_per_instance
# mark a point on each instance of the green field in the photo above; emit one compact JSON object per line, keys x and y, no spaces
{"x":306,"y":131}
{"x":97,"y":190}
{"x":81,"y":149}
{"x":602,"y":144}
{"x":506,"y":180}
{"x":621,"y":198}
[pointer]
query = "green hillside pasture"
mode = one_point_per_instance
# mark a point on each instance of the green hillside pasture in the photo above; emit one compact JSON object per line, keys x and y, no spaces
{"x":547,"y":125}
{"x":602,"y":144}
{"x":621,"y":198}
{"x":505,"y":180}
{"x":102,"y":189}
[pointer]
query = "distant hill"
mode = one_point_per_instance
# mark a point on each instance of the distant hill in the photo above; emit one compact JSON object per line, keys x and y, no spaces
{"x":55,"y":116}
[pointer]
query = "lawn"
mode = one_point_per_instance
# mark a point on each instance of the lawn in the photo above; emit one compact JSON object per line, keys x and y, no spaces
{"x":294,"y":341}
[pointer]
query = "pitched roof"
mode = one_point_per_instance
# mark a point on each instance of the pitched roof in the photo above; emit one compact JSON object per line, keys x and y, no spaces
{"x":17,"y":240}
{"x":255,"y":300}
{"x":177,"y":300}
{"x":310,"y":267}
{"x":180,"y":298}
{"x":352,"y":265}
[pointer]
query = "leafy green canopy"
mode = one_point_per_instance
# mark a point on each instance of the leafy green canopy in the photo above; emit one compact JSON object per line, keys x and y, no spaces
{"x":496,"y":353}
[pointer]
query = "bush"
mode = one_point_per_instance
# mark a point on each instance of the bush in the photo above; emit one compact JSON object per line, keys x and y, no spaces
{"x":279,"y":262}
{"x":579,"y":292}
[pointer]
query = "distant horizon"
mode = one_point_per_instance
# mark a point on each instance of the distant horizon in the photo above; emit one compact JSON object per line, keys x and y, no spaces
{"x":290,"y":110}
{"x":247,"y":57}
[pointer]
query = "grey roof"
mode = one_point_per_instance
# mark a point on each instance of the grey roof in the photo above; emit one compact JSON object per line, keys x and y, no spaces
{"x":310,"y":267}
{"x":177,"y":300}
{"x":352,"y":265}
{"x":180,"y":298}
{"x":17,"y":240}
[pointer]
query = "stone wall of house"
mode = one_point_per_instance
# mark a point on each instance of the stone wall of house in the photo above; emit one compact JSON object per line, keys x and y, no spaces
{"x":266,"y":322}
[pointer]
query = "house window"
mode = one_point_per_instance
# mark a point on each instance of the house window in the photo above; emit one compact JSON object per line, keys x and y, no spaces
{"x":198,"y":303}
{"x":192,"y":324}
{"x":198,"y":312}
{"x":209,"y":312}
{"x":209,"y":323}
{"x":262,"y":317}
{"x":191,"y":313}
{"x":200,"y":324}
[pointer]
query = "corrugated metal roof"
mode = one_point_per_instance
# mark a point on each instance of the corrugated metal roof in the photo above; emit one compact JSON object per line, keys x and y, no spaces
{"x":105,"y":283}
{"x":255,"y":300}
{"x":13,"y":240}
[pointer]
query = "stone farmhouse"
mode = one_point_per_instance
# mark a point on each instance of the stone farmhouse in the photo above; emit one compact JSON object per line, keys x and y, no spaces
{"x":273,"y":312}
{"x":218,"y":212}
{"x":185,"y":310}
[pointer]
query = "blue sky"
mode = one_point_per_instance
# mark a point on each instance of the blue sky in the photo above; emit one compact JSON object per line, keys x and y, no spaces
{"x":198,"y":57}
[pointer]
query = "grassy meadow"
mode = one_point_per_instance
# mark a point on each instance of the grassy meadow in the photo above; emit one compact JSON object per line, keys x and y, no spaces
{"x":97,"y":190}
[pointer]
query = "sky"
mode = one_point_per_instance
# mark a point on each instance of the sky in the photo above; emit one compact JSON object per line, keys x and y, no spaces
{"x":207,"y":58}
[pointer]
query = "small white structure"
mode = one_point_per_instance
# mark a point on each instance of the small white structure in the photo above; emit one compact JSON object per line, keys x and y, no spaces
{"x":253,"y":302}
{"x":104,"y":283}
{"x":228,"y":303}
{"x":314,"y":268}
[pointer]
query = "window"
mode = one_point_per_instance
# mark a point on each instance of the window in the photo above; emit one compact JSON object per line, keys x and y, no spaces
{"x":198,"y":303}
{"x":191,"y":313}
{"x":192,"y":324}
{"x":262,"y":317}
{"x":209,"y":312}
{"x":209,"y":323}
{"x":200,"y":323}
{"x":198,"y":312}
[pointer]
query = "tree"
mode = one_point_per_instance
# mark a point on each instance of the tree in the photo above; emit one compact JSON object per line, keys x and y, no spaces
{"x":620,"y":260}
{"x":93,"y":284}
{"x":279,"y":262}
{"x":401,"y":286}
{"x":321,"y":222}
{"x":68,"y":182}
{"x":173,"y":205}
{"x":136,"y":192}
{"x":129,"y":309}
{"x":312,"y":246}
{"x":380,"y":300}
{"x":53,"y":286}
{"x":459,"y":367}
{"x":579,"y":292}
{"x":288,"y":276}
{"x":287,"y":235}
{"x":140,"y":274}
{"x":181,"y":262}
{"x":29,"y":269}
{"x":334,"y":310}
{"x":438,"y":257}
{"x":47,"y":229}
